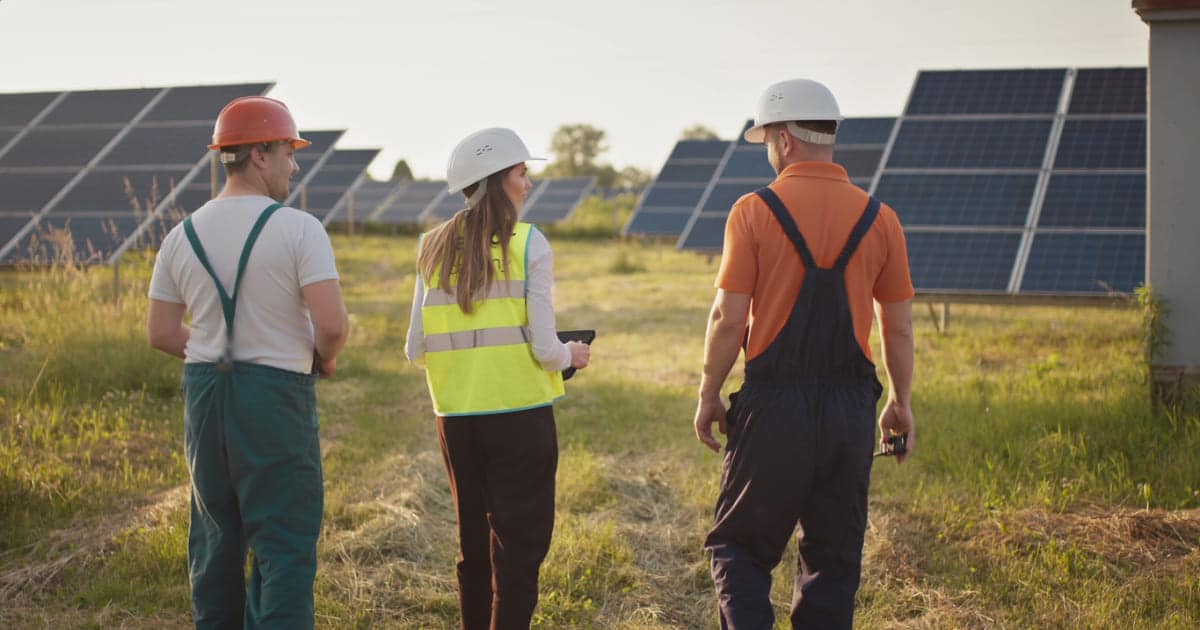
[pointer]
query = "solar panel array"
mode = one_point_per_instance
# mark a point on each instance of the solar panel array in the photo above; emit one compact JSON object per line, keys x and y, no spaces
{"x":1022,"y":181}
{"x":1008,"y":182}
{"x":406,"y":204}
{"x":702,"y":179}
{"x":329,"y":194}
{"x":555,"y":200}
{"x":668,"y":203}
{"x":100,"y":163}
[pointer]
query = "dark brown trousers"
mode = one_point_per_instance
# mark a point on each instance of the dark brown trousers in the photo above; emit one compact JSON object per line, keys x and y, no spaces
{"x":501,"y":469}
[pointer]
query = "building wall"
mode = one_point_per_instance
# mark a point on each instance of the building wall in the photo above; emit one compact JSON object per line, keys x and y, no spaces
{"x":1173,"y":256}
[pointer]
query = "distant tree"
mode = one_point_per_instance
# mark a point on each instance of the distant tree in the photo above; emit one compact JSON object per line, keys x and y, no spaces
{"x":576,"y":148}
{"x":401,"y":171}
{"x":632,"y":178}
{"x":699,"y":131}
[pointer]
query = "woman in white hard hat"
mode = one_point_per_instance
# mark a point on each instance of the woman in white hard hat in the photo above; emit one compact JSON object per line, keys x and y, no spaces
{"x":483,"y":325}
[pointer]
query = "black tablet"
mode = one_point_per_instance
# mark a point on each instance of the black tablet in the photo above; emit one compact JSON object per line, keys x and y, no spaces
{"x":586,"y":336}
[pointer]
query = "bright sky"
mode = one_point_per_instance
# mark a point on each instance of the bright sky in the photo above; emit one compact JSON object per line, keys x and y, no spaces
{"x":414,"y":77}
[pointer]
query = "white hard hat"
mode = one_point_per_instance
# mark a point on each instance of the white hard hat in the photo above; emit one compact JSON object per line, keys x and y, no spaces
{"x":795,"y":99}
{"x":482,"y":153}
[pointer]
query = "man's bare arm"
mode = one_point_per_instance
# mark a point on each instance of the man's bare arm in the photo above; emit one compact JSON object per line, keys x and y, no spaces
{"x":165,"y":329}
{"x":896,"y":340}
{"x":722,"y":342}
{"x":331,"y":324}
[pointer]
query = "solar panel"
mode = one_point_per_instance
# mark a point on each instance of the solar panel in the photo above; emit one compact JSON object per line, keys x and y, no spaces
{"x":967,"y":173}
{"x":970,"y":144}
{"x":859,"y":162}
{"x":81,"y":239}
{"x":686,"y":173}
{"x":109,"y":190}
{"x":17,"y":110}
{"x":322,"y":142}
{"x":1102,"y":144}
{"x":557,"y":199}
{"x":63,"y":146}
{"x":667,"y":204}
{"x":1109,"y":91}
{"x":10,"y":225}
{"x":958,"y":199}
{"x":100,"y":162}
{"x":28,"y":192}
{"x":659,"y":222}
{"x":444,"y":207}
{"x":1095,"y":200}
{"x":986,"y":92}
{"x":336,"y":179}
{"x":748,"y":162}
{"x":698,"y":150}
{"x":99,"y":107}
{"x":707,"y":233}
{"x":370,"y":195}
{"x":201,"y":102}
{"x":1085,"y":263}
{"x":868,"y":131}
{"x":406,"y":204}
{"x":962,"y":261}
{"x":157,"y":145}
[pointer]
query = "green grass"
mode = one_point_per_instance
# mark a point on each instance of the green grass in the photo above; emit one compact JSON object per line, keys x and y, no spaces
{"x":1045,"y":490}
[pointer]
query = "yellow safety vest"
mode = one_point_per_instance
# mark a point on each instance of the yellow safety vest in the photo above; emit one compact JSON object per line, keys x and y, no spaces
{"x":483,"y":362}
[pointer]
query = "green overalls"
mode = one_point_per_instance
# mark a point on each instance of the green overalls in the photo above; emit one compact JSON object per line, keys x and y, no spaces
{"x":255,"y":462}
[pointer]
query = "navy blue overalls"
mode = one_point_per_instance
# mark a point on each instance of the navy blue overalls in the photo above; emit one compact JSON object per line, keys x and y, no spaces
{"x":255,"y":461}
{"x":800,"y":436}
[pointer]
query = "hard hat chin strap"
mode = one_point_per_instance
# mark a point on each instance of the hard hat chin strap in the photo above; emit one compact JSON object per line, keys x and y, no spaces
{"x":810,"y":136}
{"x":477,"y":196}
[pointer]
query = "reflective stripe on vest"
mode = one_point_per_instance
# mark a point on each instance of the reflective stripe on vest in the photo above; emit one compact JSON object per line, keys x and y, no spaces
{"x":483,"y":362}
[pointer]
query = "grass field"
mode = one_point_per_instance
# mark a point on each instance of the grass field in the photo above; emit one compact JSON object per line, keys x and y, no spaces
{"x":1046,"y":492}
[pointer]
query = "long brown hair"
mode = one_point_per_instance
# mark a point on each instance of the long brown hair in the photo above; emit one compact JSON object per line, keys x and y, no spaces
{"x":462,"y":246}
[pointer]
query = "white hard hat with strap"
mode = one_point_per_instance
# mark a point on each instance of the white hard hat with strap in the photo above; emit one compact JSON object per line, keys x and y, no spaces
{"x":791,"y":101}
{"x":481,"y":154}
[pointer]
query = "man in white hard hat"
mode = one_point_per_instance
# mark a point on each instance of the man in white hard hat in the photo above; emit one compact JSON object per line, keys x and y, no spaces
{"x":266,"y":319}
{"x":807,"y":261}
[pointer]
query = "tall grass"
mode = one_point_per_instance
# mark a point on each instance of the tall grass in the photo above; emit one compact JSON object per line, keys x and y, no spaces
{"x":1045,"y":490}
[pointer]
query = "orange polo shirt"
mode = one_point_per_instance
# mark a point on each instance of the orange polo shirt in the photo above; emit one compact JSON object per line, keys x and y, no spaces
{"x":761,"y":261}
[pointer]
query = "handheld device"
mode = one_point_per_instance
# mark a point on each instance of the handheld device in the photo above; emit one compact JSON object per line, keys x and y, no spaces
{"x":584,"y":336}
{"x":894,"y":445}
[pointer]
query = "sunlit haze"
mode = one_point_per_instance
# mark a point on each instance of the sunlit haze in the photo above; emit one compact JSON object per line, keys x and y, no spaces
{"x":414,"y":77}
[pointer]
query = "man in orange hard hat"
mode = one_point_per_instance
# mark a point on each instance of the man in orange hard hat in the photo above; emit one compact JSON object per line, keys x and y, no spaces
{"x":267,"y":319}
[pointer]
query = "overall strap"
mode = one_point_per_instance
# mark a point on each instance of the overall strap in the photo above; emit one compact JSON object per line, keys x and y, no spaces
{"x":229,"y":302}
{"x":857,"y":234}
{"x":788,"y":224}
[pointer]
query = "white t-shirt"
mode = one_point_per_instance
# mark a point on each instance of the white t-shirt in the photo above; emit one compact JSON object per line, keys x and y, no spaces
{"x":272,"y":325}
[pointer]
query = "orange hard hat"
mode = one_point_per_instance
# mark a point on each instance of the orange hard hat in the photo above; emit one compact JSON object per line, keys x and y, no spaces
{"x":254,"y":119}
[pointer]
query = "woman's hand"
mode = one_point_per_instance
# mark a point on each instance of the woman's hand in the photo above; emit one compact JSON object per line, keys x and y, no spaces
{"x":581,"y":354}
